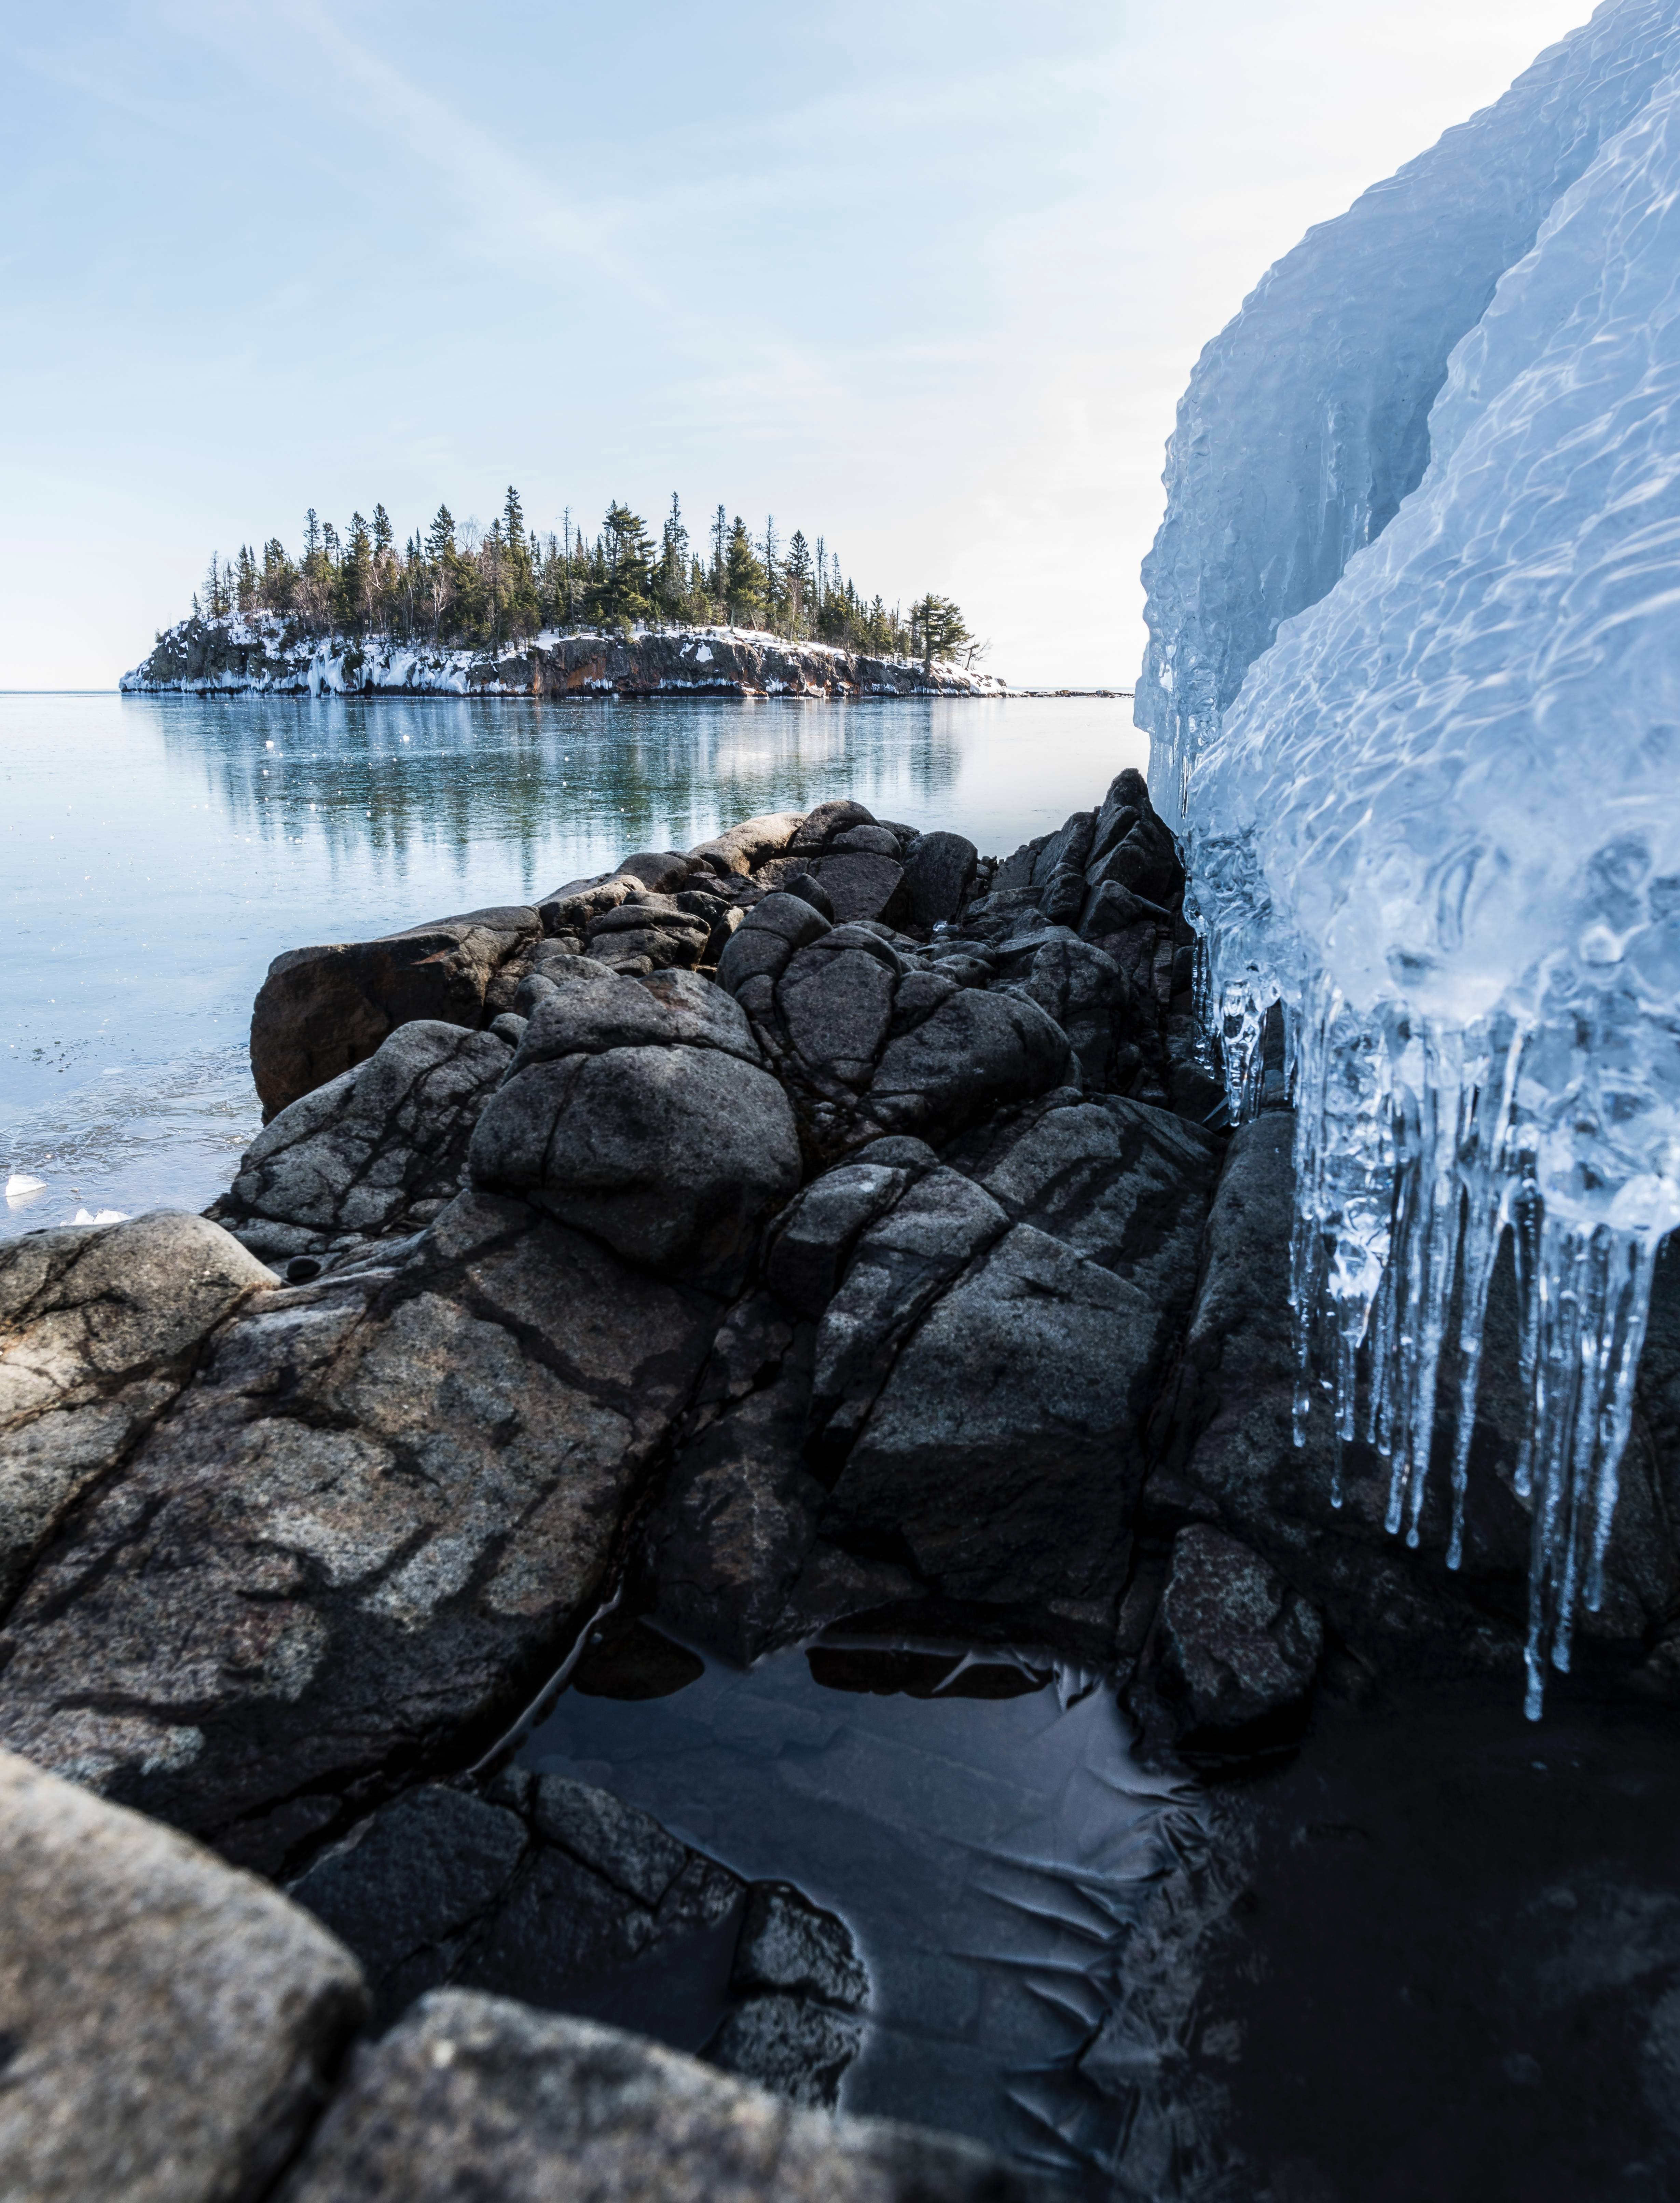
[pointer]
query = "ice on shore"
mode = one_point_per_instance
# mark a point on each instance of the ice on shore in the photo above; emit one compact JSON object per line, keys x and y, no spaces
{"x":1414,"y":686}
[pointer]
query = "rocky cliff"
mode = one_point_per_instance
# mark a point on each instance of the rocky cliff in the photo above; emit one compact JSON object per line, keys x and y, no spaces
{"x":272,"y":657}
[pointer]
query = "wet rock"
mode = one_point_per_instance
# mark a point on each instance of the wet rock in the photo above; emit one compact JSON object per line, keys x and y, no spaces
{"x":637,"y":1112}
{"x":977,"y":1052}
{"x":99,"y":1330}
{"x":812,"y":1243}
{"x":627,"y":1846}
{"x":357,"y":1153}
{"x":822,"y":826}
{"x":788,"y":1945}
{"x":405,"y":1891}
{"x":365,"y":1525}
{"x":322,"y":1011}
{"x":938,"y":878}
{"x":796,"y":2048}
{"x":1238,"y":1646}
{"x":472,"y":2090}
{"x":170,"y":2025}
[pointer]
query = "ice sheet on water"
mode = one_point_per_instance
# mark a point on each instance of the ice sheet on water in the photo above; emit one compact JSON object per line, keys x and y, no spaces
{"x":1442,"y":817}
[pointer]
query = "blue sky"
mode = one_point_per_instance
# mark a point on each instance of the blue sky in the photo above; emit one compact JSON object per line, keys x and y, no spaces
{"x":926,"y":280}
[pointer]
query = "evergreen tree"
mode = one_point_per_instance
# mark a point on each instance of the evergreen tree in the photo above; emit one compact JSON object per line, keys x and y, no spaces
{"x":720,"y":556}
{"x":798,"y":583}
{"x":672,"y":590}
{"x":743,"y":590}
{"x":937,"y":630}
{"x":628,"y":580}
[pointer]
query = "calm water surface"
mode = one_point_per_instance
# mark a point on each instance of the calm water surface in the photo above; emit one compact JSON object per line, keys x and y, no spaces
{"x":156,"y":853}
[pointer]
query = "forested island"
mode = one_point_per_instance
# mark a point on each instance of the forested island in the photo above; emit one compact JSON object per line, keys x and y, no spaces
{"x":462,"y":585}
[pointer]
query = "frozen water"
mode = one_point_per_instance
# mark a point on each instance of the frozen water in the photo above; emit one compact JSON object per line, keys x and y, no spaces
{"x":1440,"y":816}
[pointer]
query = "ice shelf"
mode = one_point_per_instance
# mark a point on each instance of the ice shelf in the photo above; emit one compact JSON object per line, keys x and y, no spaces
{"x":1414,"y":688}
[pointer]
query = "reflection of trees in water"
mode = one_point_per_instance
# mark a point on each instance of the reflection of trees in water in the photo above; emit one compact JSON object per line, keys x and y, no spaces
{"x":541,"y":776}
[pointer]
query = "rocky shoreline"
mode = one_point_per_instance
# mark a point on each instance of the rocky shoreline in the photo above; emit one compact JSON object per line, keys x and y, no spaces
{"x":268,"y":656}
{"x":827,"y":1229}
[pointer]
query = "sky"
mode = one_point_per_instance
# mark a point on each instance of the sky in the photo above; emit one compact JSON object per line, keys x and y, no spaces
{"x":925,"y":280}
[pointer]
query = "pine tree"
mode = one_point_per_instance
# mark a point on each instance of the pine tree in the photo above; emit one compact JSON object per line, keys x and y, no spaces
{"x":743,"y":590}
{"x":629,"y":566}
{"x":673,"y":579}
{"x":720,"y":556}
{"x":799,"y":582}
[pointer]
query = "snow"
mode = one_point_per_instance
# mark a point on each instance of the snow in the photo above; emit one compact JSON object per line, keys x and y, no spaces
{"x":1440,"y":817}
{"x":20,"y":1184}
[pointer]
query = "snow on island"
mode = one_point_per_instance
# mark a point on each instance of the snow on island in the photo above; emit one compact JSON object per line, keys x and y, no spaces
{"x":268,"y":655}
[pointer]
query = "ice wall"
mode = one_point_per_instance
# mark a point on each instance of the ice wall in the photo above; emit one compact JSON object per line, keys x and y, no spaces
{"x":1441,"y":817}
{"x":1305,"y":423}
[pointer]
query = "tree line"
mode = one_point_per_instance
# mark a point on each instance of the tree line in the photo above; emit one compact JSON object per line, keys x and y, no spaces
{"x":462,"y":584}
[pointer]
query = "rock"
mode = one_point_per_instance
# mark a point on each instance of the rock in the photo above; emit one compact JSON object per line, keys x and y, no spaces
{"x":1132,"y":846}
{"x":171,"y":2026}
{"x":355,"y":1155}
{"x":791,"y":2046}
{"x":790,"y":1946}
{"x":1086,"y":993}
{"x":859,"y":885}
{"x":1065,"y":850}
{"x":407,"y":1888}
{"x":472,"y":2094}
{"x":938,"y":878}
{"x":735,"y":1522}
{"x":99,"y":1330}
{"x":1004,"y":1451}
{"x":661,"y":871}
{"x":745,"y":846}
{"x":382,"y":1503}
{"x":767,"y":938}
{"x":322,"y":1011}
{"x":808,"y":889}
{"x":875,"y":840}
{"x":977,"y":1052}
{"x":812,"y":1241}
{"x":627,"y":1846}
{"x":672,"y":1154}
{"x":1238,"y":1646}
{"x":820,"y":827}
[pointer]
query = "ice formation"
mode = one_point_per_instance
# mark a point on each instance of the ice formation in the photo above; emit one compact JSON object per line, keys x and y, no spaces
{"x":1414,"y":686}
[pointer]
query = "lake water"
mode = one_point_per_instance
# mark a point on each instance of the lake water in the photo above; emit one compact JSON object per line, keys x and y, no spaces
{"x":157,"y":852}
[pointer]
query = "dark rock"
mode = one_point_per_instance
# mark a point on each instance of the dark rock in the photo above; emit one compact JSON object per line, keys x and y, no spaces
{"x":322,"y":1011}
{"x":627,"y":1846}
{"x":812,"y":1242}
{"x":938,"y":878}
{"x":474,"y":2094}
{"x":808,"y":889}
{"x":792,"y":2046}
{"x":858,"y":885}
{"x":1003,"y":1452}
{"x":405,"y":1889}
{"x":874,"y":841}
{"x":662,"y":871}
{"x":976,"y":1052}
{"x":790,"y":1945}
{"x":1086,"y":994}
{"x":1238,"y":1646}
{"x":356,"y":1153}
{"x":171,"y":2026}
{"x":820,"y":827}
{"x":772,"y":930}
{"x":1062,"y":898}
{"x":671,"y":1152}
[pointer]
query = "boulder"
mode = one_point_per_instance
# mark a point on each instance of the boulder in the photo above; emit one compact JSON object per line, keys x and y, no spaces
{"x":859,"y":884}
{"x":322,"y":1011}
{"x":1238,"y":1648}
{"x":642,"y":1119}
{"x":745,"y":846}
{"x":361,"y":1531}
{"x":171,"y":2027}
{"x":937,"y":878}
{"x":100,"y":1329}
{"x":357,"y":1154}
{"x":474,"y":2095}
